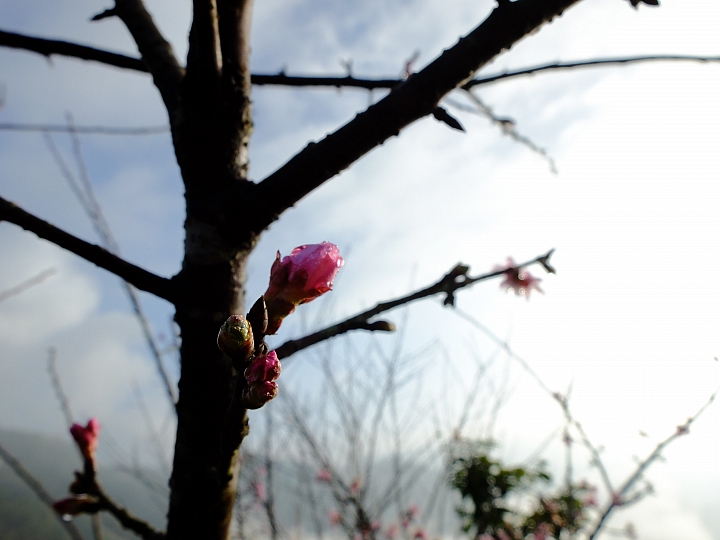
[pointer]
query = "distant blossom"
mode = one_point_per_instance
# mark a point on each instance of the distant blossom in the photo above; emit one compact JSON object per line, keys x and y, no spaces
{"x":323,"y":476}
{"x":334,"y":517}
{"x":520,"y":281}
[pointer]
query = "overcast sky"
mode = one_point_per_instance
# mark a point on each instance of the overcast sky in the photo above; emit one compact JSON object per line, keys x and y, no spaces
{"x":630,"y":320}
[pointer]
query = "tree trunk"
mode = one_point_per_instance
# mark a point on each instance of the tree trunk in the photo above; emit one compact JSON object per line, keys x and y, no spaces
{"x":211,"y":138}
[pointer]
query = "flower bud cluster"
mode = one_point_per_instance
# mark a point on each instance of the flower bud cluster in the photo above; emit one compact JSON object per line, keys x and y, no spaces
{"x":302,"y":276}
{"x":260,"y":376}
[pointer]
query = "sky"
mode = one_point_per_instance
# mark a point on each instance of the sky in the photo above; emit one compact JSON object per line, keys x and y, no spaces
{"x":629,"y":321}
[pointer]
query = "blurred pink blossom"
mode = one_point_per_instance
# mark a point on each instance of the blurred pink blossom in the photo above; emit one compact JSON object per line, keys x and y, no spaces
{"x":355,"y":486}
{"x":391,"y":532}
{"x":413,"y":511}
{"x":520,"y":281}
{"x":334,"y":517}
{"x":300,"y":277}
{"x":541,"y":531}
{"x":86,"y":437}
{"x":323,"y":476}
{"x":260,"y":492}
{"x":420,"y":534}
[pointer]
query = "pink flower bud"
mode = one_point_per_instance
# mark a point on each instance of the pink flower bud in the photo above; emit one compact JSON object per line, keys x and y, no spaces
{"x":259,"y":394}
{"x":300,"y":277}
{"x":86,"y":437}
{"x":72,"y":506}
{"x":236,"y":338}
{"x":263,"y":369}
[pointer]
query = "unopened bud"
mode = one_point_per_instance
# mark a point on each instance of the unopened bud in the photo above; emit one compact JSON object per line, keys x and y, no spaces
{"x":236,"y":338}
{"x":86,"y":437}
{"x":259,"y":394}
{"x":263,"y":369}
{"x":72,"y":506}
{"x":302,"y":276}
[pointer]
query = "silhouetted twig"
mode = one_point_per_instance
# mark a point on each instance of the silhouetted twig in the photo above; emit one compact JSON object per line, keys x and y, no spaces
{"x":453,"y":281}
{"x":25,"y":285}
{"x":39,"y":490}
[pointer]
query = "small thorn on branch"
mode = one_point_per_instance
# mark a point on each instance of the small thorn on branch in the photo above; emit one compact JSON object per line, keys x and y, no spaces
{"x":111,"y":12}
{"x":443,"y":116}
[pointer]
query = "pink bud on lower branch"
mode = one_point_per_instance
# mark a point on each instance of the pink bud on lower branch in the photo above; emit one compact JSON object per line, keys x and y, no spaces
{"x":300,"y":277}
{"x":79,"y":504}
{"x":86,"y":438}
{"x":236,"y":338}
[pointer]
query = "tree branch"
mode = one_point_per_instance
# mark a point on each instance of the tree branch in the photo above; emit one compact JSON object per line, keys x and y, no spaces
{"x":138,"y":526}
{"x":417,"y":97}
{"x":590,"y":63}
{"x":454,"y":280}
{"x":49,"y":47}
{"x":25,"y":285}
{"x":37,"y":488}
{"x":348,"y":81}
{"x":142,"y":279}
{"x":92,"y":130}
{"x":682,"y":429}
{"x":156,"y":52}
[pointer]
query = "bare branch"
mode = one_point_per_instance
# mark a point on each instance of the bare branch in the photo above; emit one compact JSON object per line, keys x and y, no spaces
{"x":141,"y":528}
{"x":49,"y":47}
{"x":417,"y":97}
{"x":86,"y":196}
{"x":506,"y":125}
{"x":142,"y":279}
{"x":57,"y":387}
{"x":682,"y":429}
{"x":204,"y":60}
{"x":93,"y":130}
{"x":156,"y":52}
{"x":37,"y":488}
{"x":25,"y":285}
{"x":599,"y":62}
{"x":454,"y":280}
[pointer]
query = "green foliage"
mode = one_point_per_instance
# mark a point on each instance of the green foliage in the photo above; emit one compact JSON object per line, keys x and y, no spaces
{"x":491,"y":495}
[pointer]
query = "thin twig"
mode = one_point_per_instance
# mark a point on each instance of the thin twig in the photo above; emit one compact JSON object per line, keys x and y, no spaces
{"x":86,"y":196}
{"x":89,"y":130}
{"x":57,"y":387}
{"x":25,"y":285}
{"x":507,"y":126}
{"x":39,"y":490}
{"x":269,"y":502}
{"x":682,"y":429}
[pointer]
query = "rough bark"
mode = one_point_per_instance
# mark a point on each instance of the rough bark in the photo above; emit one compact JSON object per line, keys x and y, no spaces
{"x":211,"y":146}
